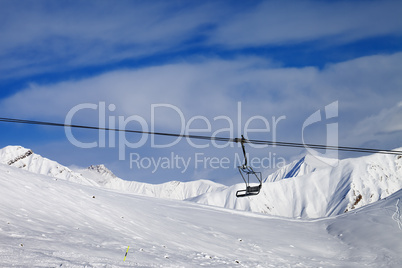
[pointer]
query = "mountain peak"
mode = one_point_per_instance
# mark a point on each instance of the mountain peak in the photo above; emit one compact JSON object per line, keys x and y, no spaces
{"x":305,"y":165}
{"x":101,"y":169}
{"x":99,"y":174}
{"x":23,"y":158}
{"x":294,"y":171}
{"x":12,"y":154}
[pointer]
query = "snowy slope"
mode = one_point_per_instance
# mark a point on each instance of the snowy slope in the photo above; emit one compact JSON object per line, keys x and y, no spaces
{"x":304,"y":190}
{"x":57,"y":223}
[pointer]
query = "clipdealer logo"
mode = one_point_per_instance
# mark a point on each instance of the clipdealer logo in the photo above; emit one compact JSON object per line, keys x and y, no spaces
{"x":330,"y":157}
{"x":106,"y":119}
{"x":232,"y":128}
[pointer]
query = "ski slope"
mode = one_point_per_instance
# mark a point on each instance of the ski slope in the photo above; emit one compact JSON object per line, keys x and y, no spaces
{"x":48,"y":222}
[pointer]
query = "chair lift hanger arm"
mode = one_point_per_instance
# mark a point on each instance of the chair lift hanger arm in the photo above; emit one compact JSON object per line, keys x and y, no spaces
{"x":247,"y":172}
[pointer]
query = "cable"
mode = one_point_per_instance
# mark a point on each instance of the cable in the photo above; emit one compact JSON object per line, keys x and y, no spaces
{"x":223,"y":139}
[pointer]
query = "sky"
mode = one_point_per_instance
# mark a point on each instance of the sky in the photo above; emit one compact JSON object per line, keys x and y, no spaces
{"x":321,"y":72}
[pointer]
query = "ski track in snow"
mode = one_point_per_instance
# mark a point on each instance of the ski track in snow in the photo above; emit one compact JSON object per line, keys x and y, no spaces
{"x":46,"y":222}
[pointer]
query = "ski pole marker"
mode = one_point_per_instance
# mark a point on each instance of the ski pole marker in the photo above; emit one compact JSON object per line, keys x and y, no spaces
{"x":126,"y":253}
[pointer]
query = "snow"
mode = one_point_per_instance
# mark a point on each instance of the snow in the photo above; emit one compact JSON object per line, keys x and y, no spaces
{"x":99,"y":175}
{"x":172,"y":189}
{"x":24,"y":158}
{"x":310,"y":189}
{"x":49,"y":222}
{"x":303,"y":166}
{"x":306,"y":188}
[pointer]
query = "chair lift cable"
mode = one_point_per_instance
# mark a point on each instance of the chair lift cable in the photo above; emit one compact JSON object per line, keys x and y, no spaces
{"x":223,"y":139}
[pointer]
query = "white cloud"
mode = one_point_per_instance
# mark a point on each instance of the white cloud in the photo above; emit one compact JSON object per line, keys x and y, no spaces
{"x":209,"y":88}
{"x":213,"y":87}
{"x":385,"y":122}
{"x":281,"y":22}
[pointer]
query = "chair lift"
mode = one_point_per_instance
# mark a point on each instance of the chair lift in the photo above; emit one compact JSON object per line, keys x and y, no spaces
{"x":247,"y":172}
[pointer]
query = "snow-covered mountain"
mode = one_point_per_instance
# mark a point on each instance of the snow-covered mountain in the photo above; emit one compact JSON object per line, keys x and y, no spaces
{"x":303,"y":166}
{"x":310,"y":189}
{"x":26,"y":159}
{"x":59,"y":223}
{"x":172,"y":189}
{"x":306,"y":188}
{"x":99,"y":175}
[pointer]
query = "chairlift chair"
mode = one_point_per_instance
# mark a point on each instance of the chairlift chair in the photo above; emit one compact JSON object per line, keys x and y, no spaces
{"x":246,"y":172}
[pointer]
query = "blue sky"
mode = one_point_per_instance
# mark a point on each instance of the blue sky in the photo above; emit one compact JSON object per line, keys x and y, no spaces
{"x":278,"y":59}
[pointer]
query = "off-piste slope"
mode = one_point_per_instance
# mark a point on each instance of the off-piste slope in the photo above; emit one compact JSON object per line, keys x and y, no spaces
{"x":49,"y":222}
